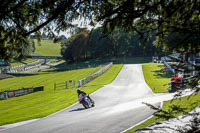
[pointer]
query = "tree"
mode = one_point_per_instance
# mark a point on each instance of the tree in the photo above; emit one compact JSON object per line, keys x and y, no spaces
{"x":168,"y":18}
{"x":22,"y":18}
{"x":95,"y":45}
{"x":74,"y":49}
{"x":85,"y":45}
{"x":100,"y":45}
{"x":147,"y":16}
{"x":19,"y":19}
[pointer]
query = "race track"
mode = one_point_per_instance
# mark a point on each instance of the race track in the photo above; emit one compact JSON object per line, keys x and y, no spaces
{"x":118,"y":107}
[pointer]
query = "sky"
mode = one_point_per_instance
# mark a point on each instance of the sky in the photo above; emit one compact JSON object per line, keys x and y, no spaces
{"x":81,"y":24}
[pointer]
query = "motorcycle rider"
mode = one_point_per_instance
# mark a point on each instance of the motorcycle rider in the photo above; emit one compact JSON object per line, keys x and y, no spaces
{"x":79,"y":92}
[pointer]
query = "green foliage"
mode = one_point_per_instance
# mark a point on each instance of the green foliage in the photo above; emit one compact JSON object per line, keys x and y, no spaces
{"x":101,"y":46}
{"x":145,"y":17}
{"x":74,"y":49}
{"x":15,"y":47}
{"x":95,"y":45}
{"x":180,"y":42}
{"x":21,"y":19}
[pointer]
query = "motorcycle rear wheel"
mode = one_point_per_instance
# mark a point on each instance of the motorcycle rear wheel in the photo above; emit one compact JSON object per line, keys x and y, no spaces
{"x":85,"y":105}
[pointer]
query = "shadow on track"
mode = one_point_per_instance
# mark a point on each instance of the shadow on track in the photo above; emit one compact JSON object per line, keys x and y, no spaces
{"x":78,"y":109}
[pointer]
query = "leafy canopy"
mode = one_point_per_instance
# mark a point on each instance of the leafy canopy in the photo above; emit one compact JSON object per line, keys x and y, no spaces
{"x":146,"y":16}
{"x":19,"y":19}
{"x":22,"y":18}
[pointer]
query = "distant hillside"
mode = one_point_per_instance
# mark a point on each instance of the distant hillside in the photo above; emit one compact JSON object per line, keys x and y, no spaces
{"x":47,"y":48}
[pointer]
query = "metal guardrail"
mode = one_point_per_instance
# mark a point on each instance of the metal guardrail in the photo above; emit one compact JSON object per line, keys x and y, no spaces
{"x":15,"y":93}
{"x":23,"y":67}
{"x":83,"y":81}
{"x":169,"y":67}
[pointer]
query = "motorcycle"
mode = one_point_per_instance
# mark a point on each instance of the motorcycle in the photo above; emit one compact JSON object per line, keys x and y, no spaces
{"x":86,"y":101}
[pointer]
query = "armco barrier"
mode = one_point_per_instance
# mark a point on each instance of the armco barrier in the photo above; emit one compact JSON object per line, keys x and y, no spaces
{"x":93,"y":76}
{"x":38,"y":88}
{"x":169,"y":67}
{"x":22,"y":68}
{"x":3,"y":95}
{"x":16,"y":93}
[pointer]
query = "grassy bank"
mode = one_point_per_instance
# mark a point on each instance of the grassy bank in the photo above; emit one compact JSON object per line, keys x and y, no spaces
{"x":47,"y":48}
{"x":40,"y":104}
{"x":47,"y":79}
{"x":189,"y":103}
{"x":157,"y":78}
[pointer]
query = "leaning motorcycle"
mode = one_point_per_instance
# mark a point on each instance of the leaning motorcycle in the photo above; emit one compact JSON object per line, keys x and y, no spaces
{"x":86,"y":101}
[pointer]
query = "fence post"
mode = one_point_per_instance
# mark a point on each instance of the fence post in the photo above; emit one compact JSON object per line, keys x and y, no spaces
{"x":79,"y":83}
{"x":74,"y":83}
{"x":66,"y":85}
{"x":6,"y":95}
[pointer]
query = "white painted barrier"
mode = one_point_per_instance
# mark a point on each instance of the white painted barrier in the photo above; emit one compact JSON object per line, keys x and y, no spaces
{"x":93,"y":76}
{"x":169,"y":67}
{"x":23,"y":67}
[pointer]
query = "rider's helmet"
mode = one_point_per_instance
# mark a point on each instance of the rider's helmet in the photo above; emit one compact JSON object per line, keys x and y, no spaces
{"x":78,"y":91}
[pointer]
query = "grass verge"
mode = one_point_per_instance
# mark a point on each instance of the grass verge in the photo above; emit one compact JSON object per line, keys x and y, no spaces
{"x":40,"y":104}
{"x":188,"y":103}
{"x":157,"y":78}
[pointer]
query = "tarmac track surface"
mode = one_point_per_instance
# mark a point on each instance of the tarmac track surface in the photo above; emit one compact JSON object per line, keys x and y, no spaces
{"x":118,"y":106}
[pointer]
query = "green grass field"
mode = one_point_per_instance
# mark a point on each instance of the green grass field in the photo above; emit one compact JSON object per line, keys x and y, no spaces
{"x":47,"y":48}
{"x":16,"y":63}
{"x":46,"y":79}
{"x":40,"y":104}
{"x":158,"y":78}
